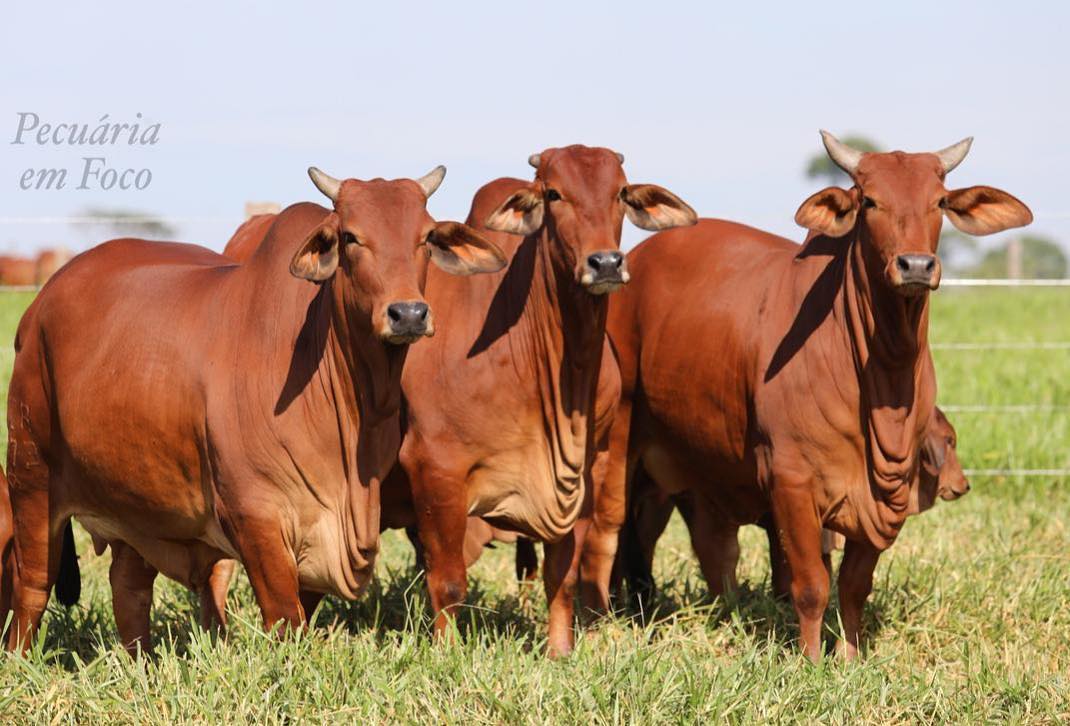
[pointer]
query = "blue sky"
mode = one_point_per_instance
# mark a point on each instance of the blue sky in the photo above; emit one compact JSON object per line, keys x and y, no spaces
{"x":720,"y":104}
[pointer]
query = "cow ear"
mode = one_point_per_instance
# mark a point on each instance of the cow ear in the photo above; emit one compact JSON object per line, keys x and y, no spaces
{"x":652,"y":208}
{"x":519,"y":214}
{"x":317,"y":258}
{"x":831,"y":212}
{"x":985,"y":210}
{"x":459,"y":250}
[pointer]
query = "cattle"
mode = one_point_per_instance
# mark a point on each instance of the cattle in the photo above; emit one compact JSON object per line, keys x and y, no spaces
{"x":239,"y":248}
{"x":25,"y":271}
{"x":649,"y":510}
{"x":479,"y":534}
{"x":248,"y":236}
{"x":766,"y":377}
{"x":202,"y":410}
{"x":500,"y":406}
{"x":48,"y":263}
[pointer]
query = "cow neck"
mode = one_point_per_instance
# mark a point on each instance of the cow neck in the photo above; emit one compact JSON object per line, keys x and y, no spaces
{"x":367,"y":372}
{"x":563,"y":329}
{"x":888,"y":338}
{"x":359,"y":377}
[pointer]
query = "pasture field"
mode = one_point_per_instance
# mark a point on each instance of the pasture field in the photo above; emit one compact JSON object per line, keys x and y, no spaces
{"x":969,"y":620}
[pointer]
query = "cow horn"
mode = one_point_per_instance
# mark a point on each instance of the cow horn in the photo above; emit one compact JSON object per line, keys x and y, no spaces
{"x":841,"y":154}
{"x":620,"y":156}
{"x":325,"y":183}
{"x":430,"y":181}
{"x":535,"y":160}
{"x":953,"y":155}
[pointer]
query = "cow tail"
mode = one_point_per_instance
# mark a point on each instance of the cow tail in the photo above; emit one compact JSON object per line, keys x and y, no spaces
{"x":69,"y":580}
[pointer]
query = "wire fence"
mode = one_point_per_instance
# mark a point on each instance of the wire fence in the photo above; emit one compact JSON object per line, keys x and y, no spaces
{"x":1022,"y":408}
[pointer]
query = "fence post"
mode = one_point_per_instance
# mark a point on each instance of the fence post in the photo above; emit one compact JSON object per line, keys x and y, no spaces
{"x":254,"y":208}
{"x":1014,"y":258}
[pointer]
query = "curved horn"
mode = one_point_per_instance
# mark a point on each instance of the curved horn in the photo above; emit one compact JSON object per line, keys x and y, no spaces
{"x":953,"y":155}
{"x":535,"y":160}
{"x":841,"y":154}
{"x":620,"y":156}
{"x":429,"y":182}
{"x":325,"y":183}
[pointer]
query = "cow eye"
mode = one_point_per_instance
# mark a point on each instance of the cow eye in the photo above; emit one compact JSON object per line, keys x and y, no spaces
{"x":348,"y":238}
{"x":943,"y":203}
{"x":552,"y":195}
{"x":868,"y":203}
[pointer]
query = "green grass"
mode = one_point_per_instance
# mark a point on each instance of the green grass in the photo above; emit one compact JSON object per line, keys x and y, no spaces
{"x":969,"y":620}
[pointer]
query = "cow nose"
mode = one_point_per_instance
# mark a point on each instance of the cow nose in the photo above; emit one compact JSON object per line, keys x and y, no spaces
{"x":407,"y":318}
{"x":916,"y":269}
{"x":608,"y":262}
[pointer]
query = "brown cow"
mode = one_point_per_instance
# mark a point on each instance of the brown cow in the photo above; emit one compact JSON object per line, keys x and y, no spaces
{"x":768,"y":377}
{"x":17,"y":271}
{"x":241,"y":246}
{"x":24,"y":271}
{"x":500,"y":407}
{"x":650,"y":508}
{"x":480,"y":533}
{"x":48,"y":263}
{"x":201,"y":410}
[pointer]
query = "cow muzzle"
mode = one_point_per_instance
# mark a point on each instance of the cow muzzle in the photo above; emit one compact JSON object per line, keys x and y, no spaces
{"x":914,"y":274}
{"x":407,"y":322}
{"x":950,"y":491}
{"x":603,"y":272}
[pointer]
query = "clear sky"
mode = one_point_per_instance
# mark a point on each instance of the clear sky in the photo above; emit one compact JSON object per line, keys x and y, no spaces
{"x":719,"y":102}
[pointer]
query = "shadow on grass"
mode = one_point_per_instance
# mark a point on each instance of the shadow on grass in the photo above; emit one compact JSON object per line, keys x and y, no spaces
{"x":754,"y":610}
{"x":398,"y":603}
{"x":71,"y":637}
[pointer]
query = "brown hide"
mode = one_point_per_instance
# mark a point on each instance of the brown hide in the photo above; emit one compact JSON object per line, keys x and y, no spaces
{"x":247,"y":237}
{"x":649,"y":510}
{"x":37,"y":271}
{"x":761,"y":376}
{"x":501,"y":406}
{"x":212,"y":410}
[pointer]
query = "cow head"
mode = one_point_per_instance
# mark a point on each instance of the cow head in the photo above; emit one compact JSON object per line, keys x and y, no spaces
{"x":941,"y":474}
{"x":581,"y":196}
{"x":376,"y":245}
{"x":897,"y":204}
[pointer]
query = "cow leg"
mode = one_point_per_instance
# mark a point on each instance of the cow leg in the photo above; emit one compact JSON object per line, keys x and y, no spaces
{"x":649,"y":515}
{"x":417,"y":547}
{"x":442,"y":517}
{"x":214,"y":595}
{"x":560,"y":571}
{"x":527,"y":561}
{"x":309,"y":602}
{"x":715,"y":542}
{"x":131,"y":597}
{"x":37,"y":545}
{"x":272,"y":571}
{"x":780,"y":573}
{"x":799,"y":530}
{"x":608,"y":487}
{"x":856,"y":583}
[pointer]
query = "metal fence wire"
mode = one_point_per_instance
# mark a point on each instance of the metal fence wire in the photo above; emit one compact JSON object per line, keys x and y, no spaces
{"x":1019,"y":408}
